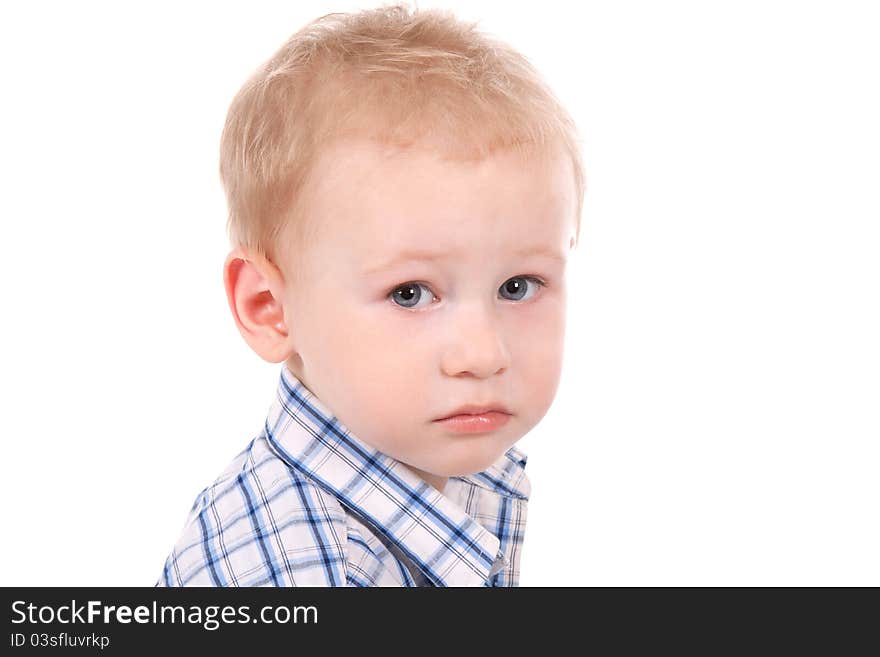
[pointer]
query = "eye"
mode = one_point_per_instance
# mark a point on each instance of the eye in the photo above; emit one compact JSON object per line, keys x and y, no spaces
{"x":519,"y":286}
{"x":409,"y":295}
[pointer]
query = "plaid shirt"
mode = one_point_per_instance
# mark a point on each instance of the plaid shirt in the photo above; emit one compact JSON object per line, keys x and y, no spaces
{"x":309,"y":504}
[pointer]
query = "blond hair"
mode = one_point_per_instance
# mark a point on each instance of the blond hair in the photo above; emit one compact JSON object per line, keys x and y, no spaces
{"x":399,"y":76}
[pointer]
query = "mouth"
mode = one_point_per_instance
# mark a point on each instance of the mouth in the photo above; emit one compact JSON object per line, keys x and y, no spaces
{"x":474,"y":422}
{"x":473,"y":419}
{"x":475,"y":410}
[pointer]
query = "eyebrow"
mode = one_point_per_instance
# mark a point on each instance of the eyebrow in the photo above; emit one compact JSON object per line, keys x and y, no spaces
{"x":416,"y":256}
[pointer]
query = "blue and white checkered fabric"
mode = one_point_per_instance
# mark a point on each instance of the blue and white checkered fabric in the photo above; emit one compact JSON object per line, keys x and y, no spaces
{"x":309,"y":504}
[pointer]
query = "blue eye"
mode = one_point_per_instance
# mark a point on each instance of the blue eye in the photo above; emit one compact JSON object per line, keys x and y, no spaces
{"x":519,"y":288}
{"x":410,"y":294}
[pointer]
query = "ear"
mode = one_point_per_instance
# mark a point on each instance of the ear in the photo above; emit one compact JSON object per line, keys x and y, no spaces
{"x":254,"y":289}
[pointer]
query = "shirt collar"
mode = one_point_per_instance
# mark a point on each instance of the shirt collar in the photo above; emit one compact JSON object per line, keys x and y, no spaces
{"x":450,"y":547}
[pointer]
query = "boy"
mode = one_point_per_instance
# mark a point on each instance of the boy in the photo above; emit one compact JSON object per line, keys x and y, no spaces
{"x":403,"y":194}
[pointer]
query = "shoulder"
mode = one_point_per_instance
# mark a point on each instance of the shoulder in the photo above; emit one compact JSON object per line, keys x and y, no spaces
{"x":261,"y":523}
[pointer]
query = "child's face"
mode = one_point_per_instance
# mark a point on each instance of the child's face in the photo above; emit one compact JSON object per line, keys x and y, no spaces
{"x":475,"y":330}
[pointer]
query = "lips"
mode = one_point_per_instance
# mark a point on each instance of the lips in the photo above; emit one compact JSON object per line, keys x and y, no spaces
{"x":474,"y":409}
{"x":464,"y":423}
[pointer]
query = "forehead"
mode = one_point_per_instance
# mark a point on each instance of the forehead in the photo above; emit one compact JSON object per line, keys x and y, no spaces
{"x":372,"y":200}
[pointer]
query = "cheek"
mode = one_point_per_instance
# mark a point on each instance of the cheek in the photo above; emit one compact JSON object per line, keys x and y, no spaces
{"x":375,"y":383}
{"x":389,"y":349}
{"x":538,"y":357}
{"x":539,"y":334}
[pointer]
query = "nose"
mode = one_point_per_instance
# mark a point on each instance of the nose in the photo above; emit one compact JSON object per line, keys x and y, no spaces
{"x":477,"y":347}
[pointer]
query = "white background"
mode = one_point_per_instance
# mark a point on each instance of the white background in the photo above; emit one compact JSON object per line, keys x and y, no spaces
{"x":719,"y":413}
